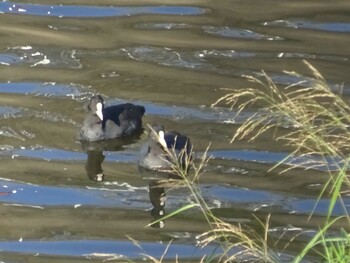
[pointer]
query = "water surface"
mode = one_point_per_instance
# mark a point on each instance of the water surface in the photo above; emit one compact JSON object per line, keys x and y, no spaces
{"x":176,"y":58}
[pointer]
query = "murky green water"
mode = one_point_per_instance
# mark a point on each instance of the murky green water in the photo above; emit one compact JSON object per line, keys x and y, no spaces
{"x":173,"y":57}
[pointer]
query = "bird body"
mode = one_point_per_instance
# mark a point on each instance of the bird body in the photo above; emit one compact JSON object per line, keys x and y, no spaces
{"x":154,"y":154}
{"x":103,"y":123}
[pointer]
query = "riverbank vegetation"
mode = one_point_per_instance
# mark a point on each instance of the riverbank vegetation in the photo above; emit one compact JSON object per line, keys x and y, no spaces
{"x":316,"y":120}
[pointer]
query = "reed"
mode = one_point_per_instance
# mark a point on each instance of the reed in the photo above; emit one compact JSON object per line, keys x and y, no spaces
{"x":318,"y":122}
{"x":236,"y":242}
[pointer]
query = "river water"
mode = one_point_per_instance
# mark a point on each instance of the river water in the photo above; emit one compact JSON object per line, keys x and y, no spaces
{"x":175,"y":58}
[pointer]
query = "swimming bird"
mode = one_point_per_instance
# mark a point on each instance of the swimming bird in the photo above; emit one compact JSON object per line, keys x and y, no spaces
{"x":103,"y":123}
{"x":165,"y":148}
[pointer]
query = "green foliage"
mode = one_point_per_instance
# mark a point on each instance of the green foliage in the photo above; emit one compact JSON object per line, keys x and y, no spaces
{"x":337,"y":249}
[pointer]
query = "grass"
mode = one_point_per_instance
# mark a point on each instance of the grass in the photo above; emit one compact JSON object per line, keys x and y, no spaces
{"x":248,"y":245}
{"x":337,"y":249}
{"x":318,"y":122}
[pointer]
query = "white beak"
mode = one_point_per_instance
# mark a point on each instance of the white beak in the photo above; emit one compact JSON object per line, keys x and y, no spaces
{"x":99,"y":110}
{"x":162,"y":140}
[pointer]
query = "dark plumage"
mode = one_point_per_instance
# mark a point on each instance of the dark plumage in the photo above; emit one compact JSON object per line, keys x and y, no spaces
{"x":103,"y":123}
{"x":153,"y":155}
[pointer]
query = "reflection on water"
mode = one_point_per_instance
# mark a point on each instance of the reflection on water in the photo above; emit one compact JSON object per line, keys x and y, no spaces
{"x":35,"y":57}
{"x":94,"y":171}
{"x":308,"y":24}
{"x":106,"y":249}
{"x":40,"y":89}
{"x":64,"y":198}
{"x":116,"y":153}
{"x":237,"y":33}
{"x":216,"y":31}
{"x":95,"y":155}
{"x":94,"y":11}
{"x":93,"y":165}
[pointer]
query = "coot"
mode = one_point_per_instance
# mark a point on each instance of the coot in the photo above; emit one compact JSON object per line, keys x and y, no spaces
{"x":103,"y":123}
{"x":164,"y":148}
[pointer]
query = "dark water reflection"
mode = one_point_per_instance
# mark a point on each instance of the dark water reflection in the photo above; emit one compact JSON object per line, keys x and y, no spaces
{"x":63,"y":200}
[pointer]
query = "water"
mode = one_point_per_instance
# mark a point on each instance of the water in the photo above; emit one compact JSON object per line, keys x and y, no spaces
{"x":175,"y":59}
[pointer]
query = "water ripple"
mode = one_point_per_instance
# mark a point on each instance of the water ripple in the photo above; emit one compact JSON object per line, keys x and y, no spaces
{"x":309,"y":162}
{"x":205,"y":59}
{"x":35,"y":56}
{"x":8,"y":112}
{"x":238,"y":54}
{"x":128,"y":156}
{"x":165,"y":56}
{"x":165,"y":26}
{"x":310,"y":24}
{"x":120,"y":194}
{"x":52,"y":154}
{"x":21,"y":194}
{"x":47,"y":89}
{"x":220,"y":31}
{"x":9,"y":59}
{"x":230,"y":32}
{"x":95,"y":11}
{"x":304,"y":81}
{"x":110,"y":249}
{"x":261,"y":200}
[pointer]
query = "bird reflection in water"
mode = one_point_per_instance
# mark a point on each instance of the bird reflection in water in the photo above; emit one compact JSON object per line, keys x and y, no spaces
{"x":157,"y":197}
{"x":152,"y":153}
{"x":94,"y":171}
{"x":95,"y":156}
{"x":93,"y":165}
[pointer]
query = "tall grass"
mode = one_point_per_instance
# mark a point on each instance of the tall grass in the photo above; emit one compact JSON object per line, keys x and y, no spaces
{"x":236,"y":242}
{"x":318,"y":122}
